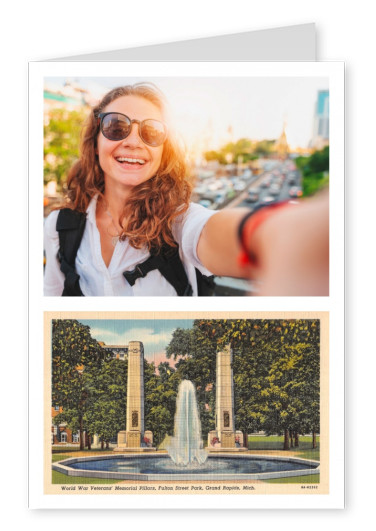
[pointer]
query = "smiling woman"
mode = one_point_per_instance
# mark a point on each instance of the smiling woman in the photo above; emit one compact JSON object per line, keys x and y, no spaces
{"x":127,"y":227}
{"x":130,"y":187}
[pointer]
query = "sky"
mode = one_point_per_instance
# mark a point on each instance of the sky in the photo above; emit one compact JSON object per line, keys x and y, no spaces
{"x":203,"y":109}
{"x":155,"y":334}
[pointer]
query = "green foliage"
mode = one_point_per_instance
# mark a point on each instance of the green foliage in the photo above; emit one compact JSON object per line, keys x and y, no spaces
{"x":315,"y":170}
{"x":264,"y":147}
{"x":215,"y":155}
{"x":74,"y":354}
{"x":61,"y":143}
{"x":276,"y":366}
{"x":160,"y":400}
{"x":106,"y":413}
{"x":76,"y":359}
{"x":244,"y":148}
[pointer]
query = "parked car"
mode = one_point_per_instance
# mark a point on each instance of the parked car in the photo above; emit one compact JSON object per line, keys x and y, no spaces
{"x":253,"y":196}
{"x":295,"y":191}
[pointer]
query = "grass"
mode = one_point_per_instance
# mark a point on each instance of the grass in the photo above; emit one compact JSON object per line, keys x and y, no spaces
{"x":78,"y":453}
{"x":314,"y":478}
{"x":275,"y":442}
{"x":309,"y":454}
{"x":61,"y":479}
{"x":60,"y":457}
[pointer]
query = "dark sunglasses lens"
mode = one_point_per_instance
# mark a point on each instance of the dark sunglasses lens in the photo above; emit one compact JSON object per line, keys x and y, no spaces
{"x":153,"y":132}
{"x":115,"y":126}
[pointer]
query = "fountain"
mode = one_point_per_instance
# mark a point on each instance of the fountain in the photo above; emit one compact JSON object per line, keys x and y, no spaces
{"x":186,"y":447}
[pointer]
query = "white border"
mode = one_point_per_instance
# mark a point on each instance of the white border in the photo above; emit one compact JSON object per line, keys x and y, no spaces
{"x":334,"y":303}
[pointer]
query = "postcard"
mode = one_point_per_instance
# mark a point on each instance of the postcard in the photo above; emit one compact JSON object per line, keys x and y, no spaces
{"x":192,"y":404}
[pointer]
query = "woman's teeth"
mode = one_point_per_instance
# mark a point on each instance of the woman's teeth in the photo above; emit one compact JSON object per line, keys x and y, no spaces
{"x":130,"y":161}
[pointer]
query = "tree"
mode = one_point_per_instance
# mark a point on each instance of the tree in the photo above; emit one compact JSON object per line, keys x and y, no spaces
{"x":294,"y":380}
{"x":105,"y":414}
{"x":315,"y":171}
{"x":160,"y":400}
{"x":264,"y":147}
{"x":275,"y":369}
{"x":61,"y":143}
{"x":75,"y":356}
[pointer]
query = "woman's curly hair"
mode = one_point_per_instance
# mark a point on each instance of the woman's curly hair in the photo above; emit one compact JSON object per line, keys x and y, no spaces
{"x":153,"y":205}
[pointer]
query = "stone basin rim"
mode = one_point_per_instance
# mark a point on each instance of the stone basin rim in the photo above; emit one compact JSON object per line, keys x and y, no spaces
{"x":64,"y":467}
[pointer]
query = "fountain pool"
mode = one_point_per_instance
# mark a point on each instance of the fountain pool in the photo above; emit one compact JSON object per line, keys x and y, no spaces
{"x":186,"y":458}
{"x":222,"y":467}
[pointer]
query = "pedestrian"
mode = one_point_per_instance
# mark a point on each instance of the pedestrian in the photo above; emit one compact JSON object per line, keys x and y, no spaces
{"x":133,"y":230}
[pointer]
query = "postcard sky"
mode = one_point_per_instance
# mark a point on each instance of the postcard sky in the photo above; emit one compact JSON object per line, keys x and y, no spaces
{"x":203,"y":109}
{"x":155,"y":334}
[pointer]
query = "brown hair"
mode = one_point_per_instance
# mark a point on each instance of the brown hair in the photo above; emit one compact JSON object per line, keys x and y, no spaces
{"x":153,"y":205}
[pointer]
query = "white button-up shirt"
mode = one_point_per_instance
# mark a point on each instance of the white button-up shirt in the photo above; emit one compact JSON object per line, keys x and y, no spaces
{"x":98,"y":280}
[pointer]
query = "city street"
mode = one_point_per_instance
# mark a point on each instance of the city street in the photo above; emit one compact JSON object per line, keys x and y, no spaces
{"x":279,"y":181}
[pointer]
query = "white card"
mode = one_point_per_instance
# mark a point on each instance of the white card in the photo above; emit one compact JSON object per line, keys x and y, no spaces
{"x":220,"y":66}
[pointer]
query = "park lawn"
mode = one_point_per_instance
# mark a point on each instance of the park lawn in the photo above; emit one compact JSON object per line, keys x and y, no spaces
{"x":309,"y":454}
{"x":304,"y":450}
{"x":314,"y":478}
{"x":78,"y":453}
{"x":275,"y":442}
{"x":60,"y":457}
{"x":61,"y":479}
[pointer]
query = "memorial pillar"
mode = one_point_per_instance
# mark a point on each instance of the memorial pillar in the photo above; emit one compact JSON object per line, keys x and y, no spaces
{"x":225,"y":426}
{"x":132,"y":437}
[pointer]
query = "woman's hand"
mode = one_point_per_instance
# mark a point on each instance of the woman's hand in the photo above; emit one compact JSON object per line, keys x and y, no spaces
{"x":291,"y":247}
{"x":292,"y":250}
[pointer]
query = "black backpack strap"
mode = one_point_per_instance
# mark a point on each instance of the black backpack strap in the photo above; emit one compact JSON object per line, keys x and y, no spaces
{"x":70,"y":225}
{"x":205,"y":284}
{"x":168,"y":262}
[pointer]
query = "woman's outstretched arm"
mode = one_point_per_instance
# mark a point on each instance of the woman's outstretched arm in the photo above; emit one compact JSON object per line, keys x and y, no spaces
{"x":218,"y":247}
{"x":290,"y":248}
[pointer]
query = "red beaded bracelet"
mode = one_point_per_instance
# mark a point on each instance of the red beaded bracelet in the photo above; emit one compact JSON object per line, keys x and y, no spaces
{"x":247,"y":227}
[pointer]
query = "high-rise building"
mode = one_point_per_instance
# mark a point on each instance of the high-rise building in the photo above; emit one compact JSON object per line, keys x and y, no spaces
{"x":320,"y":136}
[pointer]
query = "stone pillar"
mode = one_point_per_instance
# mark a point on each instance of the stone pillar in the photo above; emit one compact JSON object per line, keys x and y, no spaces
{"x":135,"y":394}
{"x":133,"y":436}
{"x":224,"y":418}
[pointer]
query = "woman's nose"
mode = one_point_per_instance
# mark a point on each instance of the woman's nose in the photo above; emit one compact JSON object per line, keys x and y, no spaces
{"x":134,"y":136}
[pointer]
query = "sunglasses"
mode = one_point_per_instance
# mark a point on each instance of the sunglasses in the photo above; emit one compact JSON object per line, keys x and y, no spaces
{"x":117,"y":126}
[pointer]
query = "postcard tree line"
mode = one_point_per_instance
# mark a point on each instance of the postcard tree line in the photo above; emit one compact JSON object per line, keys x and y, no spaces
{"x":276,"y":369}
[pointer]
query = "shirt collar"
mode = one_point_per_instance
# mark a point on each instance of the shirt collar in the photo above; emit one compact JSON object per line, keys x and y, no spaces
{"x":91,"y":210}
